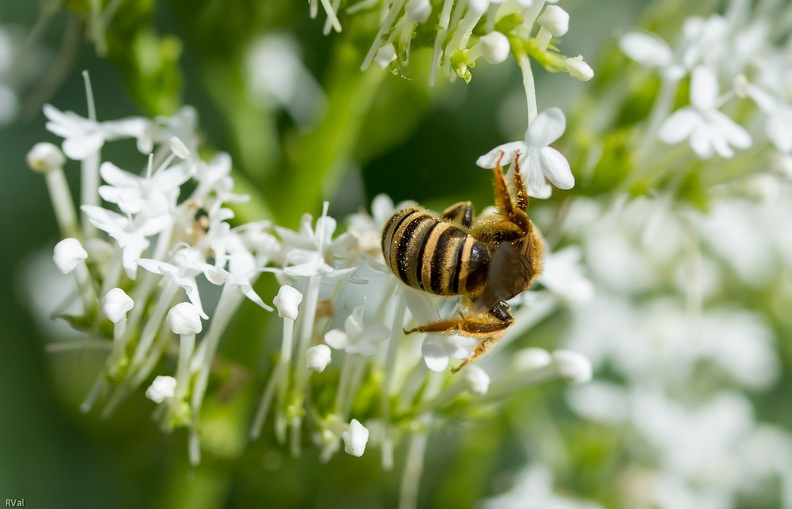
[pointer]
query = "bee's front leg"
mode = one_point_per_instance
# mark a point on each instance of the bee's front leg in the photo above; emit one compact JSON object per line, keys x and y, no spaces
{"x":488,"y":327}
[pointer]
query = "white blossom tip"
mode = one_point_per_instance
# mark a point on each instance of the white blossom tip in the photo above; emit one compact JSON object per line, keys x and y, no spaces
{"x":288,"y":302}
{"x":572,"y":366}
{"x":476,"y":379}
{"x":45,"y":157}
{"x":741,"y":86}
{"x":179,"y":148}
{"x":355,"y":438}
{"x":185,"y":318}
{"x":68,"y":254}
{"x":495,"y":47}
{"x":530,"y":359}
{"x":162,"y":388}
{"x":555,"y":20}
{"x":418,"y":10}
{"x":318,"y":357}
{"x":578,"y":69}
{"x":116,"y":304}
{"x":385,"y":55}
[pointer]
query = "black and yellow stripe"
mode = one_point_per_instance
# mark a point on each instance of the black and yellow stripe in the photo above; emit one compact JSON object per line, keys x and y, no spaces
{"x":434,"y":255}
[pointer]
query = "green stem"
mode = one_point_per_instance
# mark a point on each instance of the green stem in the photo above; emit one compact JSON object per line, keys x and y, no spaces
{"x":321,"y":156}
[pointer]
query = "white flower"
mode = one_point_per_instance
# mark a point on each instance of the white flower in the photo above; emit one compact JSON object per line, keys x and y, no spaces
{"x":555,"y":20}
{"x":68,"y":254}
{"x":288,"y":302}
{"x":116,"y":304}
{"x":187,"y":264}
{"x":83,"y":137}
{"x":153,"y":195}
{"x":562,"y":275}
{"x":130,"y":234}
{"x":356,"y":338}
{"x":162,"y":388}
{"x":538,"y":161}
{"x":355,"y":438}
{"x":45,"y":157}
{"x":182,"y":125}
{"x":184,"y":318}
{"x":385,"y":55}
{"x":650,"y":50}
{"x":708,"y":129}
{"x":318,"y":357}
{"x":778,"y":125}
{"x":578,"y":69}
{"x":476,"y":380}
{"x":572,"y":366}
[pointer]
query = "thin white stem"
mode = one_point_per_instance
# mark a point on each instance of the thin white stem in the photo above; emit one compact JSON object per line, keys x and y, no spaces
{"x":186,"y":347}
{"x":386,"y":25}
{"x":62,"y":203}
{"x":529,"y":86}
{"x":85,"y":286}
{"x":332,"y":16}
{"x":89,"y":193}
{"x":153,"y":324}
{"x":437,"y":52}
{"x":413,"y":470}
{"x":660,"y":110}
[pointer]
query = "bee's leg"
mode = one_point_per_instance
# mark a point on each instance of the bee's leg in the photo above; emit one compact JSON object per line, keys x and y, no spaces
{"x":461,"y":213}
{"x":503,"y":199}
{"x":519,"y":185}
{"x":489,"y":327}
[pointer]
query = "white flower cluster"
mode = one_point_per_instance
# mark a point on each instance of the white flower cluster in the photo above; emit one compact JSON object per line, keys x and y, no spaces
{"x":744,"y":52}
{"x":684,"y":367}
{"x":153,"y":249}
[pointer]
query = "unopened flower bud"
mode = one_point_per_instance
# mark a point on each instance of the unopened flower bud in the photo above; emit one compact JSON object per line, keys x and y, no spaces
{"x":355,"y":438}
{"x":184,"y":318}
{"x":116,"y":304}
{"x":476,"y":380}
{"x":579,"y":69}
{"x":572,"y":366}
{"x":288,"y":302}
{"x":555,"y":20}
{"x":495,"y":47}
{"x":179,"y":148}
{"x":68,"y":254}
{"x":45,"y":157}
{"x":529,"y":359}
{"x":318,"y":357}
{"x":385,"y":55}
{"x":162,"y":388}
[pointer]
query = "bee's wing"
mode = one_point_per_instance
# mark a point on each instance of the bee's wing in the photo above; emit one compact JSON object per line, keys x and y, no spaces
{"x":510,"y":272}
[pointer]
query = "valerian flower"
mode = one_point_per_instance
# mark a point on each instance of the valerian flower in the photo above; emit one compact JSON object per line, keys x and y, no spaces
{"x":539,"y":162}
{"x":708,"y":129}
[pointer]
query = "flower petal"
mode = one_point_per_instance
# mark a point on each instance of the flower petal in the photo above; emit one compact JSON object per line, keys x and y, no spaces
{"x":546,"y":128}
{"x":556,"y":168}
{"x":80,"y":147}
{"x":490,"y":159}
{"x":336,"y":339}
{"x":678,"y":126}
{"x":703,"y":88}
{"x":647,"y":49}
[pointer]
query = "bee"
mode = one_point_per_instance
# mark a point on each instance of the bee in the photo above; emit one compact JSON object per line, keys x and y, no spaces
{"x":485,"y":261}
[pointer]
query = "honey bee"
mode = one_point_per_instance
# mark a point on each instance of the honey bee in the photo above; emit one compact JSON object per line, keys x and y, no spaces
{"x":486,"y":262}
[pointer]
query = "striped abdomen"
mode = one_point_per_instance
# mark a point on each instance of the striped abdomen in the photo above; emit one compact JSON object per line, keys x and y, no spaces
{"x":434,"y":255}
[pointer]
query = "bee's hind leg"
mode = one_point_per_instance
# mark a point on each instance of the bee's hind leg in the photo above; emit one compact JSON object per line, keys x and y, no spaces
{"x":488,"y":327}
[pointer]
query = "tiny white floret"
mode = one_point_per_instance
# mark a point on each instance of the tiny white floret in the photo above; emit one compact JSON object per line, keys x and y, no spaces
{"x":572,"y":366}
{"x":532,"y":358}
{"x":162,"y":388}
{"x":288,"y":302}
{"x":385,"y":55}
{"x":68,"y":254}
{"x":116,"y":304}
{"x":179,"y":148}
{"x":578,"y":69}
{"x":355,"y":438}
{"x":555,"y":20}
{"x":45,"y":157}
{"x":318,"y":357}
{"x":185,"y":318}
{"x":476,"y":379}
{"x":495,"y":47}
